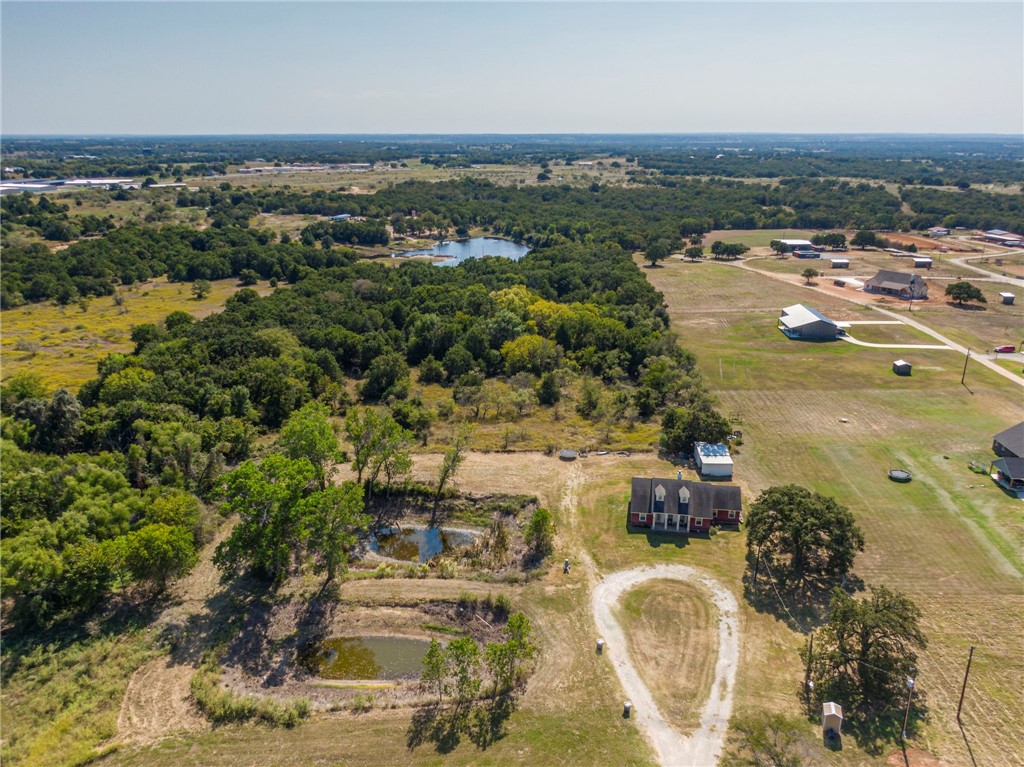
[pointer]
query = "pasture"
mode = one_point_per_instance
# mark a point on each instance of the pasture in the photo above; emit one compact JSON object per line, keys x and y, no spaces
{"x":950,"y":539}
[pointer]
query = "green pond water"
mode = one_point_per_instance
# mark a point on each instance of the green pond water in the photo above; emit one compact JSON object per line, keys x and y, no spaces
{"x":366,"y":658}
{"x":417,"y":544}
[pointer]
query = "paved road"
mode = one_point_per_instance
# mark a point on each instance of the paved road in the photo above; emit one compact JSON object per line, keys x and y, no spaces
{"x":981,"y":359}
{"x":704,"y":747}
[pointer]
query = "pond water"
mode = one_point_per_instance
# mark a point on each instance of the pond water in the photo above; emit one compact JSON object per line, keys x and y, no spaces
{"x":477,"y":247}
{"x":417,"y":545}
{"x":366,"y":658}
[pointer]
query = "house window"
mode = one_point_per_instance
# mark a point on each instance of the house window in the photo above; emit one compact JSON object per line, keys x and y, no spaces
{"x":643,"y":517}
{"x":732,"y":515}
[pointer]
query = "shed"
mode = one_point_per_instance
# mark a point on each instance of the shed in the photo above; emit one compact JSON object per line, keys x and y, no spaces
{"x":840,"y":263}
{"x":901,"y":368}
{"x":794,"y":245}
{"x":1007,"y":298}
{"x":1009,"y":472}
{"x":713,"y":459}
{"x":568,"y":455}
{"x":922,"y":262}
{"x":831,"y":718}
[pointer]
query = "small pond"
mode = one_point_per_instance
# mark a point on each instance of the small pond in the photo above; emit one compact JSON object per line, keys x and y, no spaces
{"x":417,"y":544}
{"x":458,"y":251}
{"x":366,"y":658}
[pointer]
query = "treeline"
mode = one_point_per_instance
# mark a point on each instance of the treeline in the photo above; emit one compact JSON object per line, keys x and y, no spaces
{"x":969,"y":208}
{"x":48,"y":218}
{"x":136,"y":253}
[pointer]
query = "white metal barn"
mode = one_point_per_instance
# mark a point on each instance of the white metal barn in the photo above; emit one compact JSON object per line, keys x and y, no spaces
{"x":803,"y":322}
{"x":713,"y":459}
{"x":901,"y":368}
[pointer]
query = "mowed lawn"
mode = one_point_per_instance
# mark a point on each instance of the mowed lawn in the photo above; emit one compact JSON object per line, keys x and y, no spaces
{"x":950,"y":539}
{"x":63,"y":344}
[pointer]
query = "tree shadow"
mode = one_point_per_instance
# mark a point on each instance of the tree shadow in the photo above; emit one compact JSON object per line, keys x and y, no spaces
{"x":801,"y":603}
{"x":482,"y":723}
{"x":967,"y":307}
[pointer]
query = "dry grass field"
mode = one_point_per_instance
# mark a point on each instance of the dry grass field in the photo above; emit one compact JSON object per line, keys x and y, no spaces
{"x":63,"y":344}
{"x":950,"y":539}
{"x":670,"y":628}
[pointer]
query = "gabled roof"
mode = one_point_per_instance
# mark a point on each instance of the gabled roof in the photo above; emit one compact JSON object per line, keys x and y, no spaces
{"x":902,"y":279}
{"x":1011,"y":467}
{"x":798,"y":314}
{"x":1012,"y":439}
{"x":704,"y":498}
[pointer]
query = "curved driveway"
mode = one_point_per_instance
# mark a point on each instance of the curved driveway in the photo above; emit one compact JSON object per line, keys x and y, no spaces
{"x":704,"y":747}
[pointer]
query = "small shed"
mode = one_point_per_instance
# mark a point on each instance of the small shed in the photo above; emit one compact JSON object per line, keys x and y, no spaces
{"x":840,"y":263}
{"x":713,"y":459}
{"x":922,"y":262}
{"x":901,"y":368}
{"x":1007,"y":298}
{"x":568,"y":455}
{"x":831,"y":719}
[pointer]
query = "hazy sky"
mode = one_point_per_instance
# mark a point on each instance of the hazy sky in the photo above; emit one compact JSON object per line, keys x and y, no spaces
{"x":269,"y":67}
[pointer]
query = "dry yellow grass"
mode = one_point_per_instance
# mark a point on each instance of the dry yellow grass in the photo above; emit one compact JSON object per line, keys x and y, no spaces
{"x":63,"y":344}
{"x":672,"y":633}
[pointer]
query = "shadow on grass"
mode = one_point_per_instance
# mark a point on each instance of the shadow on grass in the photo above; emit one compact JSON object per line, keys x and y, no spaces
{"x":967,"y":307}
{"x":482,"y":723}
{"x":807,"y":599}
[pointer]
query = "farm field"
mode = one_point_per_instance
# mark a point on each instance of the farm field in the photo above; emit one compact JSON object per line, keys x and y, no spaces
{"x":63,"y":344}
{"x":950,"y":539}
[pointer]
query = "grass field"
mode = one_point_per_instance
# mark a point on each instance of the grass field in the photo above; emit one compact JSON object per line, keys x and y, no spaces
{"x":950,"y":539}
{"x":63,"y":344}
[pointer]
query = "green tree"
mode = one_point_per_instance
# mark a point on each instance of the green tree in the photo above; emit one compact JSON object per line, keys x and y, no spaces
{"x":308,"y":434}
{"x":682,"y":427}
{"x":505,"y":659}
{"x":549,"y":390}
{"x":435,"y":670}
{"x":267,"y":497}
{"x":809,"y":274}
{"x":807,"y":532}
{"x":963,"y":291}
{"x":156,"y":553}
{"x":766,"y":740}
{"x":453,"y":458}
{"x":248,"y":277}
{"x":694,"y":253}
{"x":201,"y":289}
{"x":867,"y":650}
{"x":333,"y":519}
{"x":388,"y":375}
{"x":656,"y":251}
{"x":462,"y":656}
{"x":864,"y":238}
{"x":540,"y":533}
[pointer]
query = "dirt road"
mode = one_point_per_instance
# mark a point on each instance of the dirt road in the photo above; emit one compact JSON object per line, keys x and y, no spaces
{"x":704,"y":747}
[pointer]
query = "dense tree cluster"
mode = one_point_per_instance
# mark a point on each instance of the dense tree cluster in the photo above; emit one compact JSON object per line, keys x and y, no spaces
{"x":969,"y":208}
{"x":50,"y":219}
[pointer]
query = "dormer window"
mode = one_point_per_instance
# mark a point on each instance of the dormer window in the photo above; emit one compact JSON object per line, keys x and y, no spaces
{"x":659,"y":498}
{"x":684,"y":497}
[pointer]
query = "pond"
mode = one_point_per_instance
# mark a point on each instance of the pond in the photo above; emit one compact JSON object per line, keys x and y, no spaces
{"x":477,"y":247}
{"x":366,"y":658}
{"x":417,"y":544}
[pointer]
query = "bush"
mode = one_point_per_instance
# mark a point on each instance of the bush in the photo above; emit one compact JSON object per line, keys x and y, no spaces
{"x":223,"y":707}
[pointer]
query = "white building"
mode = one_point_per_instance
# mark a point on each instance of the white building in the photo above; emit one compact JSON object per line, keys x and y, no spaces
{"x":713,"y":459}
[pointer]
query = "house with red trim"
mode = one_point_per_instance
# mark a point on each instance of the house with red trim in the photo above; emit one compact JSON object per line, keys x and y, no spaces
{"x":682,"y":506}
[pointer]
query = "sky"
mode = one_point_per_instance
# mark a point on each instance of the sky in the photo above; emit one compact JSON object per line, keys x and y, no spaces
{"x":489,"y":67}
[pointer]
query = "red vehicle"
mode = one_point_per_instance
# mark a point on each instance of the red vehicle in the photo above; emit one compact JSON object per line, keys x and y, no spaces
{"x":1005,"y":349}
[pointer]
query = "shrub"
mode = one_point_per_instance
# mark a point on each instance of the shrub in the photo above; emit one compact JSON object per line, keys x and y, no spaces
{"x":224,"y":707}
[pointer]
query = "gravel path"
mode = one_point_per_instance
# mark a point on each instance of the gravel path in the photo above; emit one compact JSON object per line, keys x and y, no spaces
{"x":704,"y":747}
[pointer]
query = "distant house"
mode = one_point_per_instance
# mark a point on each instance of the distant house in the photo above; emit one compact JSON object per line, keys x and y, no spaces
{"x":340,"y":217}
{"x":803,"y":246}
{"x":897,"y":284}
{"x":713,"y":460}
{"x":682,"y":506}
{"x":938,"y":231}
{"x":1010,"y":443}
{"x":802,"y":322}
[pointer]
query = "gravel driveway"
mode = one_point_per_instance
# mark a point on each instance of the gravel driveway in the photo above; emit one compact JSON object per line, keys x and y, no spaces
{"x":704,"y":747}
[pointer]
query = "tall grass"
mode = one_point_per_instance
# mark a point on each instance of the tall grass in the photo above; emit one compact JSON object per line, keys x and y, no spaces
{"x":224,"y":707}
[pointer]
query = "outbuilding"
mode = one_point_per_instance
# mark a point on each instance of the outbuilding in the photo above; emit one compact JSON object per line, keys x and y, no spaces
{"x":804,"y":323}
{"x":901,"y":368}
{"x":840,"y":263}
{"x":938,"y":231}
{"x":1008,"y":472}
{"x":713,"y":459}
{"x":831,"y":719}
{"x":922,"y":262}
{"x":795,"y":245}
{"x":1007,"y":298}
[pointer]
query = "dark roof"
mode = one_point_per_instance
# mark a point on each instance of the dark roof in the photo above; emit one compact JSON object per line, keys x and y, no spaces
{"x":885,"y":275}
{"x":1011,"y":467}
{"x":1012,"y":439}
{"x":704,"y":499}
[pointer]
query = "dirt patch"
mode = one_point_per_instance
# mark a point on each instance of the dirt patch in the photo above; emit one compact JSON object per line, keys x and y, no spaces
{"x":157,"y":704}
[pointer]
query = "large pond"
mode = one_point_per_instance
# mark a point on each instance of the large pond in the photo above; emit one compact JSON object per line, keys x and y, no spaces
{"x":455,"y":252}
{"x":366,"y":658}
{"x":417,"y":544}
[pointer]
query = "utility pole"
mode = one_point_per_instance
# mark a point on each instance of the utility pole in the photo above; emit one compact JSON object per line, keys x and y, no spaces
{"x":910,"y":695}
{"x":964,"y":688}
{"x":966,"y":360}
